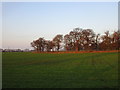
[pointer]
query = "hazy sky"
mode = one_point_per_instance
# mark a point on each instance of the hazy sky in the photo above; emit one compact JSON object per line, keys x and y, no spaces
{"x":24,"y":22}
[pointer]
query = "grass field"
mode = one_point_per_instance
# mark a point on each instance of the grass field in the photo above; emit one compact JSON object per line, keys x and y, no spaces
{"x":81,"y":70}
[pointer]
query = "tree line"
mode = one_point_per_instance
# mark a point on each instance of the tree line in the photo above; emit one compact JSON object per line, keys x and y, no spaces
{"x":79,"y":39}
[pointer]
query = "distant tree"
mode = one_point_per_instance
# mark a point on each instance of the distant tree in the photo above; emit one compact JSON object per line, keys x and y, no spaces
{"x":106,"y":41}
{"x":76,"y":38}
{"x":52,"y":44}
{"x":57,"y":40}
{"x":87,"y":37}
{"x":116,"y":40}
{"x":49,"y":45}
{"x":73,"y":39}
{"x":41,"y":44}
{"x":95,"y":42}
{"x":67,"y":42}
{"x":38,"y":44}
{"x":79,"y":39}
{"x":33,"y":45}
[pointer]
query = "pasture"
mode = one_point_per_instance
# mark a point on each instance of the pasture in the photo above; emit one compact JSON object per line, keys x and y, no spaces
{"x":68,"y":70}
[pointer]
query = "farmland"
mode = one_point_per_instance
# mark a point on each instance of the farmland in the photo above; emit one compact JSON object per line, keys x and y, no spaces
{"x":67,"y":70}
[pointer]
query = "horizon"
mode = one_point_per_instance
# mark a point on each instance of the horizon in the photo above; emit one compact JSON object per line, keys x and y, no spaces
{"x":24,"y":22}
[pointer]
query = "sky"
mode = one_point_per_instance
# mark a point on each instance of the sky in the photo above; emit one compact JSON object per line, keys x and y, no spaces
{"x":23,"y":22}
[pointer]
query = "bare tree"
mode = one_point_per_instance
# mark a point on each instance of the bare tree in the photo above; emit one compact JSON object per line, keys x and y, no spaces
{"x":49,"y":45}
{"x":95,"y":42}
{"x":80,"y":39}
{"x":67,"y":42}
{"x":38,"y":44}
{"x":106,"y":41}
{"x":88,"y":38}
{"x":57,"y":40}
{"x":34,"y":45}
{"x":116,"y":40}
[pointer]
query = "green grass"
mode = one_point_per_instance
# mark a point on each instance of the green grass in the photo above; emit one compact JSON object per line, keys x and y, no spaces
{"x":87,"y":70}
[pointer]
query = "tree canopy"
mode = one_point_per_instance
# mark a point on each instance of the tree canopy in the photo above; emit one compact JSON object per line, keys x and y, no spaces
{"x":79,"y":39}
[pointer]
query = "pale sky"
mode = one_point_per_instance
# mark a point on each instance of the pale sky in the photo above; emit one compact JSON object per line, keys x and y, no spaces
{"x":24,"y":22}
